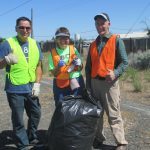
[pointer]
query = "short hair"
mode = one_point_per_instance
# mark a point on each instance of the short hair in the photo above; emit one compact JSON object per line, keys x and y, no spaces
{"x":23,"y":19}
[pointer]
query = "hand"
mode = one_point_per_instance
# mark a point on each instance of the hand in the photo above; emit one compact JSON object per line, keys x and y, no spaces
{"x":110,"y":75}
{"x":11,"y":59}
{"x":36,"y":89}
{"x":61,"y":63}
{"x":77,"y":62}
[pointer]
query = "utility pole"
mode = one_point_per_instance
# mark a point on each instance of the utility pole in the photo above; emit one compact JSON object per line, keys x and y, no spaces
{"x":32,"y":22}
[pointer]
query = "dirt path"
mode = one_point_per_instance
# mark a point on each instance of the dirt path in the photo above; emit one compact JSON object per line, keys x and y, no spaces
{"x":136,"y":119}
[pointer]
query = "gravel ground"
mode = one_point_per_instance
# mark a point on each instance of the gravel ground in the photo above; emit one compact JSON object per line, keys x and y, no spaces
{"x":136,"y":117}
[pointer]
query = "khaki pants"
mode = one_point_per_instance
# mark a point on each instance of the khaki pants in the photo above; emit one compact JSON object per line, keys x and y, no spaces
{"x":109,"y":96}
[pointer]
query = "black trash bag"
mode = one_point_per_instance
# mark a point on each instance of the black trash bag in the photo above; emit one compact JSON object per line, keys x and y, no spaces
{"x":73,"y":124}
{"x":90,"y":98}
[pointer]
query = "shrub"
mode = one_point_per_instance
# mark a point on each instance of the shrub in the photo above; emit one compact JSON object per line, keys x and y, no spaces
{"x":129,"y":74}
{"x":140,"y":60}
{"x":134,"y":76}
{"x":137,"y":83}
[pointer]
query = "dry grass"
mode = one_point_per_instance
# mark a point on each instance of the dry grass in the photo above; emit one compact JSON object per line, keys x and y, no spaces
{"x":128,"y":90}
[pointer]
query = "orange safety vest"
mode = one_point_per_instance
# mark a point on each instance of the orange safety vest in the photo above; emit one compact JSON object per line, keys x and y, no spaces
{"x":62,"y":79}
{"x":104,"y":61}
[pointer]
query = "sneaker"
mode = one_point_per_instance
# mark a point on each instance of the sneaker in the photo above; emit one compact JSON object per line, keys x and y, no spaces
{"x":121,"y":147}
{"x":97,"y":144}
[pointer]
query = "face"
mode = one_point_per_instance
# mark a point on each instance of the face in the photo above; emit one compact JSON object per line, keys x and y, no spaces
{"x":62,"y":41}
{"x":23,"y":30}
{"x":102,"y":26}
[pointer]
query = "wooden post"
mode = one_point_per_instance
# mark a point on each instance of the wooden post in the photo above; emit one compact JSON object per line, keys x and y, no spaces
{"x":32,"y":23}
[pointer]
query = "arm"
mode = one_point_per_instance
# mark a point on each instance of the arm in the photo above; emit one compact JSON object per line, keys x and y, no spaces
{"x":3,"y":63}
{"x":39,"y":69}
{"x":55,"y":71}
{"x":4,"y":51}
{"x":77,"y":53}
{"x":121,"y":58}
{"x":10,"y":59}
{"x":79,"y":65}
{"x":39,"y":72}
{"x":121,"y":62}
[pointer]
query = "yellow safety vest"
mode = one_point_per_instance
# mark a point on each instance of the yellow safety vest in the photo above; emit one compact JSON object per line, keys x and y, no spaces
{"x":23,"y":72}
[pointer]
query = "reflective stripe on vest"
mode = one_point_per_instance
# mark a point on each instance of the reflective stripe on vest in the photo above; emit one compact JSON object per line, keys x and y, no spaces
{"x":63,"y":70}
{"x":23,"y":72}
{"x":101,"y":63}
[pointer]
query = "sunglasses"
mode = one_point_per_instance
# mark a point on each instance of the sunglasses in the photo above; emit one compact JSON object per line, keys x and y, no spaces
{"x":22,"y":28}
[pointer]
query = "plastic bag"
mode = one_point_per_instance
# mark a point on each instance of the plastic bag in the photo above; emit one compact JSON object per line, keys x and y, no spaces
{"x":73,"y":124}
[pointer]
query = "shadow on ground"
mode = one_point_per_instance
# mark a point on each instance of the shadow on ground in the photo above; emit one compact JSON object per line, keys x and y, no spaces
{"x":7,"y":141}
{"x":107,"y":147}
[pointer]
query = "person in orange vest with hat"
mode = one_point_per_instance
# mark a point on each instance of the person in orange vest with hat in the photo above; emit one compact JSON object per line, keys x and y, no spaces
{"x":65,"y":65}
{"x":106,"y":62}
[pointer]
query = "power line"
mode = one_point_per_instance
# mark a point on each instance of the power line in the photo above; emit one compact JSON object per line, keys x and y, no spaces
{"x":86,"y":32}
{"x":138,"y":18}
{"x":115,"y":28}
{"x":83,"y":32}
{"x":8,"y":11}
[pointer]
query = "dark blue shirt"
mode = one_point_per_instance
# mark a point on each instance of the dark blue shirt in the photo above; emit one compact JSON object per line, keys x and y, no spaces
{"x":5,"y":49}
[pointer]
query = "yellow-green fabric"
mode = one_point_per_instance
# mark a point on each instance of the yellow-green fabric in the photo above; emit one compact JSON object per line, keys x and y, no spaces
{"x":23,"y":72}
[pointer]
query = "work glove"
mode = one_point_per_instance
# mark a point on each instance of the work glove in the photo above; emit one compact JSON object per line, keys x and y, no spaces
{"x":77,"y":62}
{"x":36,"y":89}
{"x":11,"y":59}
{"x":61,"y":63}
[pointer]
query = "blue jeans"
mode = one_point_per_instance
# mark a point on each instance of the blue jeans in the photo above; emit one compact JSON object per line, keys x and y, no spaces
{"x":59,"y":93}
{"x":17,"y":103}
